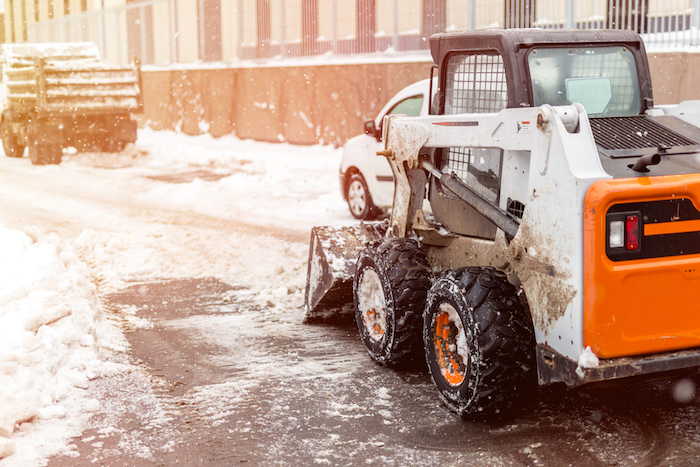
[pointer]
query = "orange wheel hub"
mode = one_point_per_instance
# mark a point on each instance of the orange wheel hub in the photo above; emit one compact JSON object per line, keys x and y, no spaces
{"x":447,"y":331}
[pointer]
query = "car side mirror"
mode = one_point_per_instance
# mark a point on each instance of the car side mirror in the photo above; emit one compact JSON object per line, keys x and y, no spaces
{"x":371,"y":129}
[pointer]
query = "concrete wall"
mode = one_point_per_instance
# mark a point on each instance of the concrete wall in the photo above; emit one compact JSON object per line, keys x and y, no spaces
{"x":326,"y":104}
{"x":674,"y":76}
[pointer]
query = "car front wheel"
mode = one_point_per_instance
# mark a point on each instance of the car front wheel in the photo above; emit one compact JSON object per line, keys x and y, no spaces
{"x":359,"y":199}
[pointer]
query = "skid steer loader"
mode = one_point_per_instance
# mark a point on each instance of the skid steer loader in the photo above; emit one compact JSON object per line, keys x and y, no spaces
{"x":564,"y":239}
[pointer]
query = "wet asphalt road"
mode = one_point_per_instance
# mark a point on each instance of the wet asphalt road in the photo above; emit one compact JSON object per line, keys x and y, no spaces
{"x":224,"y":380}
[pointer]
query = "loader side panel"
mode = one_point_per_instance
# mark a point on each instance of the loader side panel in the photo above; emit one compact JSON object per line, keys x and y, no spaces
{"x":642,"y":265}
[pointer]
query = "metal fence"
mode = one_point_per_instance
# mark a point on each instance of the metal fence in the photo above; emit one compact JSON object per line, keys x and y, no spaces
{"x":162,"y":32}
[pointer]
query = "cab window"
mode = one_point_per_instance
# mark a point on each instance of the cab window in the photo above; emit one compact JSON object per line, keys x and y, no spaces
{"x":475,"y":83}
{"x":602,"y":79}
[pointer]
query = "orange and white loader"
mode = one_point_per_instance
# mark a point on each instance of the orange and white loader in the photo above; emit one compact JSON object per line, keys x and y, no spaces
{"x":563,"y":242}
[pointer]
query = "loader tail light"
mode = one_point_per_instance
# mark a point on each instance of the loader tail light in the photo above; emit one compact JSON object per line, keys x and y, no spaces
{"x":616,"y":234}
{"x":632,"y":230}
{"x":623,"y":232}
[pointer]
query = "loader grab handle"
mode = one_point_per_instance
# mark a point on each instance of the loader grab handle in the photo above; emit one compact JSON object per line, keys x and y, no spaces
{"x":497,"y":216}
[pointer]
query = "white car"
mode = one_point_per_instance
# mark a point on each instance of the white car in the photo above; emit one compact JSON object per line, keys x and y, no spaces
{"x":366,"y":180}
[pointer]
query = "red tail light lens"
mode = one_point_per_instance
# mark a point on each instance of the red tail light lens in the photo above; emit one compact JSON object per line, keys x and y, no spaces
{"x":624,"y":234}
{"x":632,"y":233}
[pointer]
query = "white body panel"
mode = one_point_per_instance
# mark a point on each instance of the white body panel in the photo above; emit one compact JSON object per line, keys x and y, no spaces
{"x":551,"y":165}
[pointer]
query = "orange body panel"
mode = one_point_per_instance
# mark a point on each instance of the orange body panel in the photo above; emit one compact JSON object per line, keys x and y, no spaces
{"x":640,"y":306}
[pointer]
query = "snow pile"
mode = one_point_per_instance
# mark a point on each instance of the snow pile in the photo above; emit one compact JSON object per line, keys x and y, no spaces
{"x":587,"y":359}
{"x":53,"y":340}
{"x":300,"y":184}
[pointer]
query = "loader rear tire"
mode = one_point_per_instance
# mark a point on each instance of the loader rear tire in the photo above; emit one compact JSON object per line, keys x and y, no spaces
{"x":389,"y":290}
{"x":479,"y":342}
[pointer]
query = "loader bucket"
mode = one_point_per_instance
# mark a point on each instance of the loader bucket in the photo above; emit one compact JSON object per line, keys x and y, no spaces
{"x":333,"y":253}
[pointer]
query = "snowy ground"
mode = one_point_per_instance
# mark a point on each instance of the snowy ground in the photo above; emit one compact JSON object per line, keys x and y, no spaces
{"x":73,"y":232}
{"x":103,"y":229}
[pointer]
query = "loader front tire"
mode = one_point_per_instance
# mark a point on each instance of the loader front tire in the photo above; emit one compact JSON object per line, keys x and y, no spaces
{"x":389,"y":291}
{"x":479,"y":342}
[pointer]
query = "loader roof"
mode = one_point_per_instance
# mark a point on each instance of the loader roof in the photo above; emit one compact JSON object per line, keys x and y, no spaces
{"x":514,"y":45}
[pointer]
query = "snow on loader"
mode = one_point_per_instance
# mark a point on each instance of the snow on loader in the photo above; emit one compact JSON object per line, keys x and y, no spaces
{"x":564,"y":239}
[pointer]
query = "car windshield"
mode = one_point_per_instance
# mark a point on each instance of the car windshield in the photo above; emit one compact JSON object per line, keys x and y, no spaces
{"x":410,"y":106}
{"x":602,"y":79}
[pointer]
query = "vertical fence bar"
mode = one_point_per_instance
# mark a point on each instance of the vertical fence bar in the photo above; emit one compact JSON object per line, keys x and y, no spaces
{"x":694,"y":14}
{"x":694,"y":21}
{"x":520,"y":14}
{"x":283,"y":28}
{"x":241,"y":37}
{"x":103,"y":31}
{"x":472,"y":15}
{"x":677,"y":22}
{"x":174,"y":45}
{"x":201,"y":33}
{"x":570,"y":22}
{"x":334,"y":19}
{"x":673,"y":22}
{"x":395,"y":19}
{"x":663,"y":23}
{"x":629,"y":10}
{"x":617,"y":14}
{"x":142,"y":33}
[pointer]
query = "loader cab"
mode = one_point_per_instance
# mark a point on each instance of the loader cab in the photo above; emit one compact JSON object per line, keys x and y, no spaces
{"x":488,"y":71}
{"x":545,"y":67}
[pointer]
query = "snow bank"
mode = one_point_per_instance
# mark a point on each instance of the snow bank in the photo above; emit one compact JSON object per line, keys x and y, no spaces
{"x":53,"y":341}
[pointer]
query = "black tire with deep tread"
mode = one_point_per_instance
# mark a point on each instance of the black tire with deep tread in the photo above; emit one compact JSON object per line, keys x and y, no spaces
{"x":501,"y":372}
{"x":405,"y":276}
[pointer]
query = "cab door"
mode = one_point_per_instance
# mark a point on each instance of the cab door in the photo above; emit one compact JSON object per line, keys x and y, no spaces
{"x":475,"y":83}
